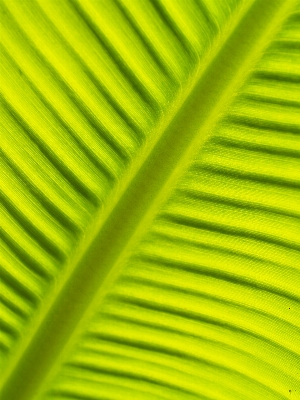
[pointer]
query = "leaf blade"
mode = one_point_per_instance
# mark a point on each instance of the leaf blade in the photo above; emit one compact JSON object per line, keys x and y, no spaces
{"x":178,"y":146}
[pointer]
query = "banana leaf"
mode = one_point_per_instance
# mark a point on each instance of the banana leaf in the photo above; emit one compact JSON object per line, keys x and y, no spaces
{"x":150,"y":202}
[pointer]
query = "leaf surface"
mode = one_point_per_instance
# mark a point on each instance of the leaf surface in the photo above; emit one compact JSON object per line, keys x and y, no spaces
{"x":150,"y":198}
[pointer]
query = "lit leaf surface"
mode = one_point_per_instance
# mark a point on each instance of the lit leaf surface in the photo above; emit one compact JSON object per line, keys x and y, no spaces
{"x":150,"y":199}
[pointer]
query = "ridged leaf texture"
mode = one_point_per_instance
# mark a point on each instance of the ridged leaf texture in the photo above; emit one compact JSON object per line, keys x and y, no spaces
{"x":150,"y":173}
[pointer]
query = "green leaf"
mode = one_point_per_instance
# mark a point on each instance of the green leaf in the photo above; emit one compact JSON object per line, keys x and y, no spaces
{"x":150,"y":199}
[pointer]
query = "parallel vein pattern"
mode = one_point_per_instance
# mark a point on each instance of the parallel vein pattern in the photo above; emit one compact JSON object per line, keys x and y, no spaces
{"x":207,"y":307}
{"x":80,"y":97}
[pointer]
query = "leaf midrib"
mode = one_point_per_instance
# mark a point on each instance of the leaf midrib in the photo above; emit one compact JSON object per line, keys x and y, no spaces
{"x":143,"y":190}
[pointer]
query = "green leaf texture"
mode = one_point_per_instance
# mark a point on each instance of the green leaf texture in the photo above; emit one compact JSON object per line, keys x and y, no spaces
{"x":150,"y":176}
